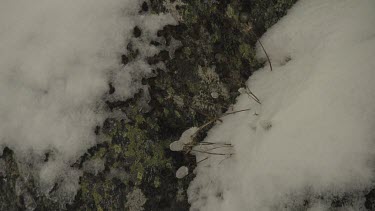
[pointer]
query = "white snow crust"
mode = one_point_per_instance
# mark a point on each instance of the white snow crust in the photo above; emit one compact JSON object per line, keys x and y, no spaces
{"x":313,"y":135}
{"x":56,"y":60}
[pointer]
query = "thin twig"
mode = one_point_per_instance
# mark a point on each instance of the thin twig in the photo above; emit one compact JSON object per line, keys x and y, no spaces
{"x":217,"y":148}
{"x":224,"y":159}
{"x":268,"y":58}
{"x":216,"y":119}
{"x":264,"y":50}
{"x":210,"y":153}
{"x":252,"y":95}
{"x":202,"y":160}
{"x":203,"y":126}
{"x":234,"y":112}
{"x":209,"y":143}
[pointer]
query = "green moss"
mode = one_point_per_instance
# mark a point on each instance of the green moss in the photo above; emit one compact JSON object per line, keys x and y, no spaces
{"x":97,"y":198}
{"x":144,"y":153}
{"x":246,"y":50}
{"x":116,"y":148}
{"x":100,"y":153}
{"x":139,"y":119}
{"x":166,"y":112}
{"x":135,"y":135}
{"x":231,"y":12}
{"x":157,"y":182}
{"x":189,"y":15}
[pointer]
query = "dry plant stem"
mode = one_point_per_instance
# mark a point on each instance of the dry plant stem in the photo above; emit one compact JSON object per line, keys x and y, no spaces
{"x":264,"y":50}
{"x":210,"y":153}
{"x":216,"y":119}
{"x":252,"y":95}
{"x":217,"y":148}
{"x":204,"y":101}
{"x":202,"y":160}
{"x":211,"y":143}
{"x":268,"y":58}
{"x":203,"y":126}
{"x":234,"y":112}
{"x":224,"y":159}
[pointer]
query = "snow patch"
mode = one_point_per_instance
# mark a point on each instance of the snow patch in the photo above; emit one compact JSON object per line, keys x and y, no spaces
{"x":185,"y":139}
{"x":56,"y":60}
{"x":317,"y":116}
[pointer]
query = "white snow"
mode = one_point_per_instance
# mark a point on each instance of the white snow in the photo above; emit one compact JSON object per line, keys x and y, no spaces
{"x":313,"y":134}
{"x":56,"y":60}
{"x":182,"y":172}
{"x":176,"y":146}
{"x":185,"y":139}
{"x":188,"y":135}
